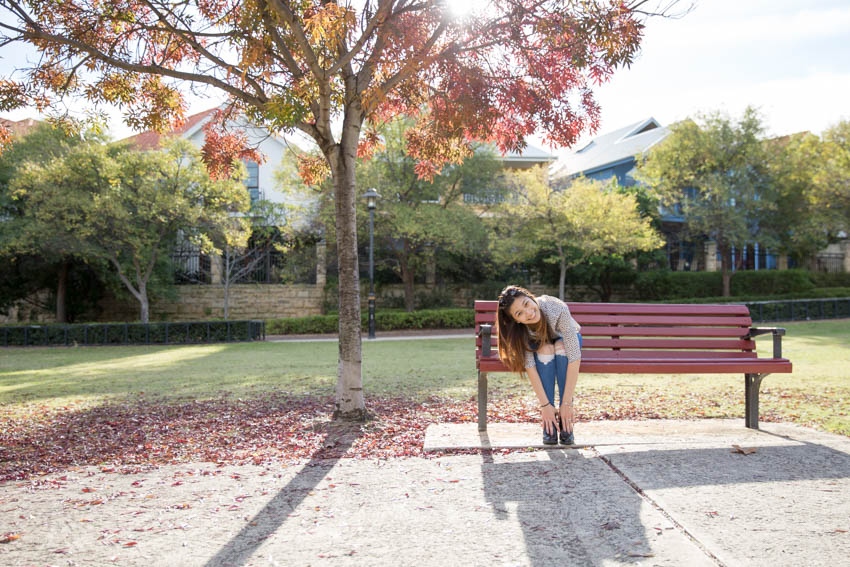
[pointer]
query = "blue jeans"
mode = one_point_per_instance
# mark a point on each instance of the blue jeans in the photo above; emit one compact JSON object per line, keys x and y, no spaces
{"x":551,"y":371}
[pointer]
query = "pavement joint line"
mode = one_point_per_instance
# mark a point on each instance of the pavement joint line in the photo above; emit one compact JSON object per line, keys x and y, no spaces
{"x":655,"y":505}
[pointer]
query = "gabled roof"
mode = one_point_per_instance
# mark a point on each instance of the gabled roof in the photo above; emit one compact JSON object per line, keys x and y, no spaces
{"x":612,"y":148}
{"x":149,"y":140}
{"x":20,"y":127}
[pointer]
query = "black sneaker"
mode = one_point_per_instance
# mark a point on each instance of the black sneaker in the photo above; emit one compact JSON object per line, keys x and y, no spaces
{"x":550,"y":438}
{"x":567,"y":438}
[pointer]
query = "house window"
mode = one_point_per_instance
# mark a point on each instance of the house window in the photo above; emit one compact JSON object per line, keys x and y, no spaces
{"x":252,"y":182}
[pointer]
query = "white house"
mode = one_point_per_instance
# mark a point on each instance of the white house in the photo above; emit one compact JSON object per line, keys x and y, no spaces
{"x":260,"y":183}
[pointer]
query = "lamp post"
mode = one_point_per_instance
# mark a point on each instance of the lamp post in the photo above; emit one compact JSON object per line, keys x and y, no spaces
{"x":372,"y":197}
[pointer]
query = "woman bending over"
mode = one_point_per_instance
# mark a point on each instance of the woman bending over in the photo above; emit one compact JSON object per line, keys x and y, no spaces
{"x":539,"y":337}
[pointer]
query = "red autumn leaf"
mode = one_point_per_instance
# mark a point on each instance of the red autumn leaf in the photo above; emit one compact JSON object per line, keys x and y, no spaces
{"x":743,"y":450}
{"x":130,"y":543}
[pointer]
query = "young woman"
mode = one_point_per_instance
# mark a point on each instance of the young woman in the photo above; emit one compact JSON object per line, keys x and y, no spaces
{"x":539,"y":337}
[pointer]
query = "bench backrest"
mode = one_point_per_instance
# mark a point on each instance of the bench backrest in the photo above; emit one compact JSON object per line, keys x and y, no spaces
{"x":689,"y":330}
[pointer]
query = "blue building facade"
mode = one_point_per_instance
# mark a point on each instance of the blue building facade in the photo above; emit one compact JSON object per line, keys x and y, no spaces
{"x":613,"y":155}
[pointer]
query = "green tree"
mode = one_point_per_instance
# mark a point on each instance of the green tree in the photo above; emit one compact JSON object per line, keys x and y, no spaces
{"x":37,"y":256}
{"x":417,"y":218}
{"x":717,"y":172}
{"x":128,"y":207}
{"x":588,"y":218}
{"x":798,"y":221}
{"x":831,"y":188}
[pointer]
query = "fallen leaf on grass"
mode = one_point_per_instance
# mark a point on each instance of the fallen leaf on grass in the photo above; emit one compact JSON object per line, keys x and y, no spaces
{"x":9,"y":538}
{"x":638,"y":554}
{"x":131,"y":543}
{"x":839,"y":531}
{"x":743,"y":450}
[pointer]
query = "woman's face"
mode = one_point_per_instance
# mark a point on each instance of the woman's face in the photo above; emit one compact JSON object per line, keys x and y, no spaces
{"x":524,"y":310}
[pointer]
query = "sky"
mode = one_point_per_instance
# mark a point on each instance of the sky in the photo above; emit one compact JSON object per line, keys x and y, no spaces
{"x":788,"y":58}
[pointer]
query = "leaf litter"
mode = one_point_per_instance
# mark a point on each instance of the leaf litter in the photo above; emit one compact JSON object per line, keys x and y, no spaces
{"x":142,"y":433}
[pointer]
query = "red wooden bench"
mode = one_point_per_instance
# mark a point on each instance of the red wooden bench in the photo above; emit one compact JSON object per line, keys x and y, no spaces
{"x":637,"y":338}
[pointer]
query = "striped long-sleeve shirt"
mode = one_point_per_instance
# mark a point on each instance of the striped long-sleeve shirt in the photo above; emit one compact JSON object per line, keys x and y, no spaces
{"x":562,"y":324}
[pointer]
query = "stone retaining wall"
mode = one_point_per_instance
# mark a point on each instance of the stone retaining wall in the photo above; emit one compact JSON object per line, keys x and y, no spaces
{"x":247,"y":301}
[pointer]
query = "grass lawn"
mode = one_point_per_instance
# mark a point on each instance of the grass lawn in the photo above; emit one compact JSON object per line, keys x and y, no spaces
{"x":818,"y":392}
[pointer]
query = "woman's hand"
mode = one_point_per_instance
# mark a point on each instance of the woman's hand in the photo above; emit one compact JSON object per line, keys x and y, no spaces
{"x":567,"y":416}
{"x":550,"y":420}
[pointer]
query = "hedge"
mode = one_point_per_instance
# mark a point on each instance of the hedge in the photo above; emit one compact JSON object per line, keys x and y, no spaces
{"x":384,"y":321}
{"x":662,"y":285}
{"x":816,"y":293}
{"x":161,"y":333}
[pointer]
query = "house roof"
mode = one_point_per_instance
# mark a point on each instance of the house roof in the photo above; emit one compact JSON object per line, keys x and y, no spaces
{"x":611,"y":148}
{"x":529,"y":153}
{"x":150,"y":139}
{"x":20,"y":127}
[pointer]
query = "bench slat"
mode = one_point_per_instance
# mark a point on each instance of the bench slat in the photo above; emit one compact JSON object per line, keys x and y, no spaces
{"x":587,"y":354}
{"x":702,"y":321}
{"x":648,"y":331}
{"x":669,"y":343}
{"x":684,"y":366}
{"x":638,"y":308}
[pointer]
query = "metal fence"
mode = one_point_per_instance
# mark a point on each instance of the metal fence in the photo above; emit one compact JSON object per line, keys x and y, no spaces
{"x":191,"y":267}
{"x":196,"y":332}
{"x":799,"y":309}
{"x":829,"y":263}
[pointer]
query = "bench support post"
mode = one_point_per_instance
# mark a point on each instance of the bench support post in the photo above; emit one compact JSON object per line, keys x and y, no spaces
{"x":482,"y":401}
{"x":752,"y":382}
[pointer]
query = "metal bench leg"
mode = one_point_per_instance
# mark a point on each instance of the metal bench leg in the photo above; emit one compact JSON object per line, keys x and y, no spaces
{"x":752,"y":382}
{"x":482,"y":401}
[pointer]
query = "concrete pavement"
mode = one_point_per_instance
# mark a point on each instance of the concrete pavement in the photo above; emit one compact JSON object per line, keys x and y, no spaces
{"x":648,"y":493}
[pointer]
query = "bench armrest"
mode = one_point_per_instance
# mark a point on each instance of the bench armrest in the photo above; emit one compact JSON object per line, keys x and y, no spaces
{"x":485,"y":332}
{"x":777,"y":332}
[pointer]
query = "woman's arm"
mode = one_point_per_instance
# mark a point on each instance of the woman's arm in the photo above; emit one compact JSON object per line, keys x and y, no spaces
{"x":567,"y":411}
{"x":547,"y":410}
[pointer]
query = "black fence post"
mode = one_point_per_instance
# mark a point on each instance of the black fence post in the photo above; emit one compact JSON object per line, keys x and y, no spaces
{"x":26,"y":336}
{"x":166,"y":332}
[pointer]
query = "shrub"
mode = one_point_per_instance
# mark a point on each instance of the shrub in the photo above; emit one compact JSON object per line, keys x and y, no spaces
{"x":771,"y":282}
{"x":831,"y":279}
{"x":384,"y":321}
{"x":195,"y":332}
{"x":665,"y":284}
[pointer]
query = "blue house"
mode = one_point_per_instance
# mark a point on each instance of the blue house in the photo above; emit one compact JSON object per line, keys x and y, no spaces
{"x":613,"y":155}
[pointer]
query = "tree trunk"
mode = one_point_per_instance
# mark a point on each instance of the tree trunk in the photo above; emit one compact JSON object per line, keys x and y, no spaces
{"x":725,"y":264}
{"x":407,"y":277}
{"x":226,"y":300}
{"x":226,"y":280}
{"x":349,"y":403}
{"x":563,"y":278}
{"x":143,"y":301}
{"x":62,"y":294}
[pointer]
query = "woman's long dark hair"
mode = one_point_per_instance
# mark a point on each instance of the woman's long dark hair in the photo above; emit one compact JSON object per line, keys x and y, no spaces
{"x":514,"y":340}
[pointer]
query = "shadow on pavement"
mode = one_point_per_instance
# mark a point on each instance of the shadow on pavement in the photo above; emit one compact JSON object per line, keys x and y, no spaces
{"x":276,"y":512}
